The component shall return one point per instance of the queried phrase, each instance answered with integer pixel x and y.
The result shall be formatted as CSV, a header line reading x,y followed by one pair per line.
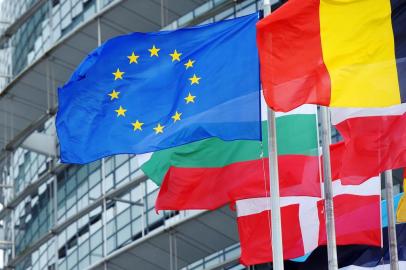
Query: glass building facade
x,y
58,216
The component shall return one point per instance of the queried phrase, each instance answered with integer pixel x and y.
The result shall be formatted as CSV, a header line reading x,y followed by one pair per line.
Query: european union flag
x,y
145,92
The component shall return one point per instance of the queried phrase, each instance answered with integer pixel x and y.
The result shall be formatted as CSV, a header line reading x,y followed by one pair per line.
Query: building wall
x,y
67,192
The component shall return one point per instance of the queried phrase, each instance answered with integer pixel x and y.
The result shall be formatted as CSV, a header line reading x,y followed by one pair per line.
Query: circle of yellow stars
x,y
154,53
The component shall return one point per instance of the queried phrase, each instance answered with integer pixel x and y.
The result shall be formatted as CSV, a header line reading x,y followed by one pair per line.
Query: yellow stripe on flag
x,y
359,52
401,212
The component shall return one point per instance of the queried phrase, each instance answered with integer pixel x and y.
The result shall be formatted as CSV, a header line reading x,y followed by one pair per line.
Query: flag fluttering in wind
x,y
145,92
357,257
401,211
303,221
210,173
374,139
334,53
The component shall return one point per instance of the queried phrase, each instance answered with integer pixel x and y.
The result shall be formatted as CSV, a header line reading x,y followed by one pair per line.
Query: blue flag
x,y
145,92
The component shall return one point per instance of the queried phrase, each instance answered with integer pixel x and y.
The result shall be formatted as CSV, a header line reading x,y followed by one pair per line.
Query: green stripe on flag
x,y
296,134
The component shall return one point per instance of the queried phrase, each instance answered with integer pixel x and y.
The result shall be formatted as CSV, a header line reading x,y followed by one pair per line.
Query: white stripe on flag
x,y
309,224
341,114
370,187
304,109
308,215
257,205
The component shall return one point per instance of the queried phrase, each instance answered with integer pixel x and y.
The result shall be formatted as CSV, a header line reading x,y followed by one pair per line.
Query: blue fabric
x,y
226,103
384,212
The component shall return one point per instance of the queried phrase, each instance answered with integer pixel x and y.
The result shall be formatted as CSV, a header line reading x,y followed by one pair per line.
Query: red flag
x,y
375,141
303,221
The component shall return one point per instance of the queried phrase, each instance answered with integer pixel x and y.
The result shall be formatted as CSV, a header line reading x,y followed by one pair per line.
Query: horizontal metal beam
x,y
62,226
31,189
127,201
167,227
14,26
41,143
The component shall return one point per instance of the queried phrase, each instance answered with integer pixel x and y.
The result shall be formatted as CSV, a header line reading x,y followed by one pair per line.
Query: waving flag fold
x,y
145,92
334,53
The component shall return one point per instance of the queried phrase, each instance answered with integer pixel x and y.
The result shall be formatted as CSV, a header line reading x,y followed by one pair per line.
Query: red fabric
x,y
292,67
255,236
336,155
372,145
188,188
357,220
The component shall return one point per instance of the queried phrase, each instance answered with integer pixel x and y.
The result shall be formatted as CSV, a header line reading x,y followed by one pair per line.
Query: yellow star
x,y
118,74
133,58
190,98
114,94
194,79
175,56
120,111
154,51
137,125
189,63
176,116
159,129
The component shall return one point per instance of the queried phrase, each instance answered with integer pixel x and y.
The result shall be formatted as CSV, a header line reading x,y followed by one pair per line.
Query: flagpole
x,y
393,247
276,224
328,189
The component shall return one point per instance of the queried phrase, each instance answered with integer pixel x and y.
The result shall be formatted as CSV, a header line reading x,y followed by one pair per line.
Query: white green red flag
x,y
210,173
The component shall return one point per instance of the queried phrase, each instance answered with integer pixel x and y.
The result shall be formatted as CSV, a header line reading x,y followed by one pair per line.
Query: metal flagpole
x,y
328,189
393,246
276,225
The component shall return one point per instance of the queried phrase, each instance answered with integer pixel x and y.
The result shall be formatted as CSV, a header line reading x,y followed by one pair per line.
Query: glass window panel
x,y
138,192
62,265
82,189
225,14
71,200
109,182
65,7
83,264
136,211
136,226
70,184
120,159
122,172
111,227
83,202
109,165
151,198
111,244
94,165
247,10
151,186
94,178
82,173
84,249
124,218
72,260
120,206
77,9
96,254
95,192
96,239
153,217
71,231
123,235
